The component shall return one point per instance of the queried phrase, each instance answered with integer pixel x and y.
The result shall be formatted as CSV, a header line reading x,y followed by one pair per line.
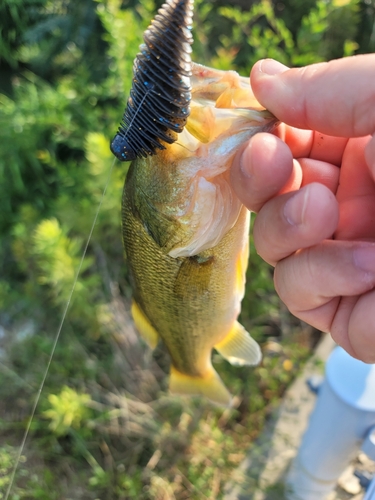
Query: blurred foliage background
x,y
105,426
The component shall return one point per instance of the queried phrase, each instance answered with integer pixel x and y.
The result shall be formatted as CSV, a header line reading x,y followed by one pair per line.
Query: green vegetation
x,y
105,427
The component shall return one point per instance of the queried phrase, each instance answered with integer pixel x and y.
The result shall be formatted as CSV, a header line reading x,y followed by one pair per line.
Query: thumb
x,y
336,98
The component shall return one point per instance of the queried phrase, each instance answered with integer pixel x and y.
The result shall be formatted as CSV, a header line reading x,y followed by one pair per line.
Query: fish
x,y
185,232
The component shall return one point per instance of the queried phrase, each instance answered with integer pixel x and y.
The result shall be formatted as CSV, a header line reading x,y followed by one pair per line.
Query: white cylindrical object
x,y
343,416
370,493
368,446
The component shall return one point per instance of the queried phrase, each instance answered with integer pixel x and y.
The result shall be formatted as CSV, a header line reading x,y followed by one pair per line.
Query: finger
x,y
262,169
310,144
370,156
311,281
356,194
327,148
360,335
355,177
299,141
341,321
295,220
336,98
319,171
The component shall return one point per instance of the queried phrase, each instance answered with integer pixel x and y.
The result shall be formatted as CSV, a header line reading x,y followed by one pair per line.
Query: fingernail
x,y
295,207
364,258
271,67
245,162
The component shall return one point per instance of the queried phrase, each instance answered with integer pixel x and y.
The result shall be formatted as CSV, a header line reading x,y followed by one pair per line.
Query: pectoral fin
x,y
201,122
145,329
239,348
210,386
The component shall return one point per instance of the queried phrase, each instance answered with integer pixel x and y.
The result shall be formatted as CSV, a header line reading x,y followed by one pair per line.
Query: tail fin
x,y
210,386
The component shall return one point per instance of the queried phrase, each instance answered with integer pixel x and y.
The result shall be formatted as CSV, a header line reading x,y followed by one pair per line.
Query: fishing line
x,y
185,147
57,336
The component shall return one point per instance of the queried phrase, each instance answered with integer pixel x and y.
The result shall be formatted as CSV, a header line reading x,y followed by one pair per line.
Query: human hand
x,y
312,184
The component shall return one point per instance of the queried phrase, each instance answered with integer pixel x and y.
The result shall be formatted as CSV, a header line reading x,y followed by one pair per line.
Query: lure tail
x,y
158,106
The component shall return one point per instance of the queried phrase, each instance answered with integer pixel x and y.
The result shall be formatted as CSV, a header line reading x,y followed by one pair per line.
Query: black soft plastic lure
x,y
158,106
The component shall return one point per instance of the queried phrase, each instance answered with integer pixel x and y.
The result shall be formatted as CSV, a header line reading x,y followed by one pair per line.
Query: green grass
x,y
117,444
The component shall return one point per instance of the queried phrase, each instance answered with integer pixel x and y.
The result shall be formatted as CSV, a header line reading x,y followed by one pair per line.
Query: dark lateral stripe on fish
x,y
158,106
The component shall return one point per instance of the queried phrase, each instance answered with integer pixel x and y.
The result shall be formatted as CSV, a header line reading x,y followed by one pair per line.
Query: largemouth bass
x,y
185,232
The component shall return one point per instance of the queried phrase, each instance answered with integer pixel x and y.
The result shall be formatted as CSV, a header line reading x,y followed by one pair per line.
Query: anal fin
x,y
239,348
145,329
210,386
